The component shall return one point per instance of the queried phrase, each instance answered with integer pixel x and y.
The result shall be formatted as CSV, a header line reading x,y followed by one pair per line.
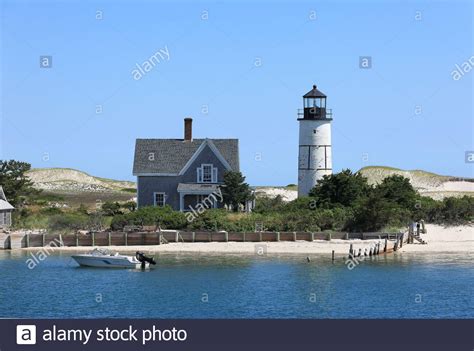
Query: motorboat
x,y
104,258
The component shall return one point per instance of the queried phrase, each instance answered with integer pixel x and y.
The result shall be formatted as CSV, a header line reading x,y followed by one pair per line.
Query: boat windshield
x,y
101,252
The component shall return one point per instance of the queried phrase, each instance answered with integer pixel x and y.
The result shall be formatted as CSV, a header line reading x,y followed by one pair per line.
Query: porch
x,y
193,194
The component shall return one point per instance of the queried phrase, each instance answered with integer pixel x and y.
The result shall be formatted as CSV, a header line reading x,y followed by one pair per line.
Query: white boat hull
x,y
108,261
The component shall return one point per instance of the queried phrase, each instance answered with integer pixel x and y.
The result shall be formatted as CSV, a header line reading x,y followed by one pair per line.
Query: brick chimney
x,y
188,129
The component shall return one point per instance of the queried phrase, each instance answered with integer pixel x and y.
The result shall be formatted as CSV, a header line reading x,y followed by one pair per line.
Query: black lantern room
x,y
314,103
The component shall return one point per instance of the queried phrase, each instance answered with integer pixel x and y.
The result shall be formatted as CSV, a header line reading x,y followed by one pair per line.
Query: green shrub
x,y
457,210
68,222
164,217
50,211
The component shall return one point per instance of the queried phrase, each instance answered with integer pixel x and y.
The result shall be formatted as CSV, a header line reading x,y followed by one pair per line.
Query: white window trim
x,y
154,198
200,173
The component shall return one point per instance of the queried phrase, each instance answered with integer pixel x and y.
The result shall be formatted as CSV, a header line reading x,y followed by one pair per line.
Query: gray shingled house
x,y
5,210
181,173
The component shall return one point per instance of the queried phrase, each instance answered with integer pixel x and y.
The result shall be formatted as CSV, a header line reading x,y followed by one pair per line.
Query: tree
x,y
235,191
130,205
343,188
15,182
398,189
111,208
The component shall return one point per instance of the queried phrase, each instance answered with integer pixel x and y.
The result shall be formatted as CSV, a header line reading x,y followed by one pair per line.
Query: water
x,y
402,285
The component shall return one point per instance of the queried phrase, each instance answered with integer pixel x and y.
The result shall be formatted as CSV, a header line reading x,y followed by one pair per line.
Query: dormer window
x,y
207,173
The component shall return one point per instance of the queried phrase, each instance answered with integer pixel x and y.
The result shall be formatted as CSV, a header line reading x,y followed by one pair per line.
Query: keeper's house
x,y
5,210
182,172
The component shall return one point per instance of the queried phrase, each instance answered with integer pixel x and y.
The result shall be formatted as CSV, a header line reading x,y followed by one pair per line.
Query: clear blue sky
x,y
48,115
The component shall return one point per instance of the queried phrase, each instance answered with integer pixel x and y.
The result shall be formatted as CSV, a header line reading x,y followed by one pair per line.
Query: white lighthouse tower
x,y
314,159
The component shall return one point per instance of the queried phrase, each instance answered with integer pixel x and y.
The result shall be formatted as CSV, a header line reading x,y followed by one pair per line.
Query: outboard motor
x,y
143,258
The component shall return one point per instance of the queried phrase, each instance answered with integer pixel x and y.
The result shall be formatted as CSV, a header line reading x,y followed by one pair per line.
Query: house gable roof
x,y
4,204
200,149
171,156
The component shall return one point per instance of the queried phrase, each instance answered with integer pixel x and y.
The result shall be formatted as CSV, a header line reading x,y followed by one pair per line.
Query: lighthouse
x,y
315,156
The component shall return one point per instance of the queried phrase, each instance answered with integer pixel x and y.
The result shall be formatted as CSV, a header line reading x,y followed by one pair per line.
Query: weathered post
x,y
401,241
126,238
259,236
243,237
226,237
332,256
385,246
312,236
194,236
277,236
93,238
159,238
347,236
294,236
77,239
329,237
350,250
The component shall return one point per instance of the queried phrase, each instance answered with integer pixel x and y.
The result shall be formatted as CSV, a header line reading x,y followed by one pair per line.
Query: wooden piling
x,y
332,256
350,250
385,246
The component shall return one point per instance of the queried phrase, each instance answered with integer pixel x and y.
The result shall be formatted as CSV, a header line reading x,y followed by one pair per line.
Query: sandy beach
x,y
445,239
439,239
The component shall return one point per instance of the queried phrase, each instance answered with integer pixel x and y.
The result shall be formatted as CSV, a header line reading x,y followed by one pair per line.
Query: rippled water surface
x,y
402,285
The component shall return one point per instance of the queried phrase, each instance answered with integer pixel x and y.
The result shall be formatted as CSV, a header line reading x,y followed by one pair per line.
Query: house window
x,y
207,173
159,199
